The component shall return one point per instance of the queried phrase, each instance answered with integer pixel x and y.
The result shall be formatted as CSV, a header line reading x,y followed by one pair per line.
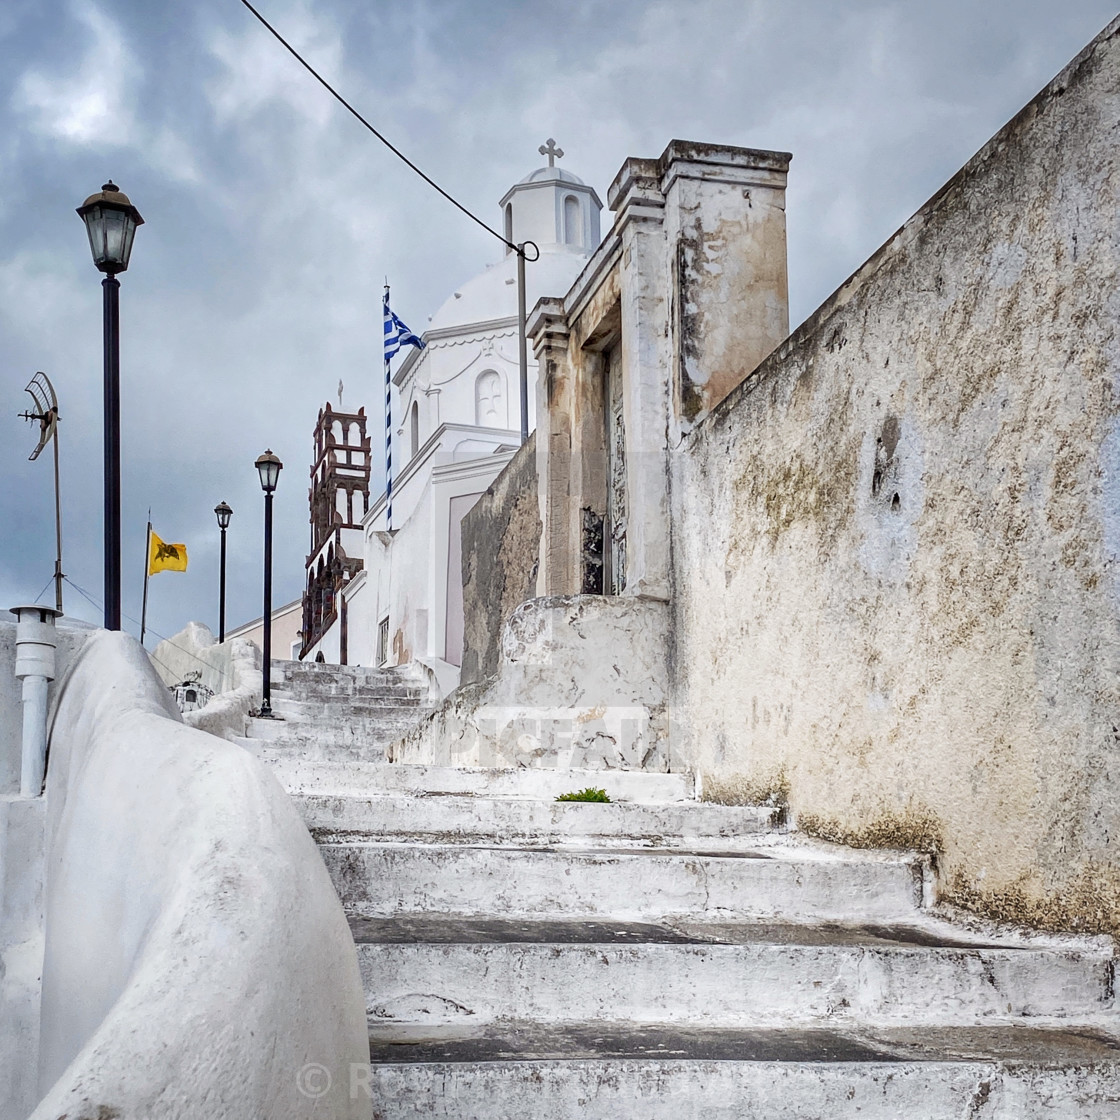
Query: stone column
x,y
639,205
725,230
548,332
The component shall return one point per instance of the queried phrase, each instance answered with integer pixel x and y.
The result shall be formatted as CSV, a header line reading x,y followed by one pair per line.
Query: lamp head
x,y
111,222
269,468
223,514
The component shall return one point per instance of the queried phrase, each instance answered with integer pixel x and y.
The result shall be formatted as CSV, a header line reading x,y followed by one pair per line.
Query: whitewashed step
x,y
317,671
793,883
343,778
340,712
533,823
419,971
594,1073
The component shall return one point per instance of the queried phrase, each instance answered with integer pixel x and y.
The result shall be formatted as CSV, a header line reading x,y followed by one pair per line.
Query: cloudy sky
x,y
273,218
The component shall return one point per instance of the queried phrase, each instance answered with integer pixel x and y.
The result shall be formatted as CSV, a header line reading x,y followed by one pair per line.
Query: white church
x,y
384,584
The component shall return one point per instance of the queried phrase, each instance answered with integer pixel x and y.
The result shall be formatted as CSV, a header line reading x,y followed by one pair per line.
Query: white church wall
x,y
456,404
197,958
361,625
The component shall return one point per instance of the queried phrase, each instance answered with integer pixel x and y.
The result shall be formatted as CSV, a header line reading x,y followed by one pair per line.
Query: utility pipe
x,y
36,639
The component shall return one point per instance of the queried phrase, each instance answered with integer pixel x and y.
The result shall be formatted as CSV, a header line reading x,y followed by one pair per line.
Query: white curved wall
x,y
197,960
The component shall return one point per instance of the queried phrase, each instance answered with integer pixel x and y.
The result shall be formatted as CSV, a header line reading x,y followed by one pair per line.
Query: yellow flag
x,y
165,557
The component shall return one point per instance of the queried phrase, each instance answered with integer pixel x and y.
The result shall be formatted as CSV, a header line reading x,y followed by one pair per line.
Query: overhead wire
x,y
519,249
44,591
98,605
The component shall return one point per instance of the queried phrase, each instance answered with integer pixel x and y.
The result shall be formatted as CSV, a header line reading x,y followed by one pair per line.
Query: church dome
x,y
492,294
552,206
552,174
559,213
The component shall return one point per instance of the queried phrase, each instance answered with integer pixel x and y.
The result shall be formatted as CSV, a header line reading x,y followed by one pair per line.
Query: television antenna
x,y
46,413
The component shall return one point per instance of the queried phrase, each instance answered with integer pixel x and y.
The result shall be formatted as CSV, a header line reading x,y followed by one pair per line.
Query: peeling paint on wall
x,y
897,544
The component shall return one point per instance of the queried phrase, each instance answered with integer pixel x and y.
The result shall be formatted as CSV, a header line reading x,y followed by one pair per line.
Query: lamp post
x,y
111,222
268,467
223,514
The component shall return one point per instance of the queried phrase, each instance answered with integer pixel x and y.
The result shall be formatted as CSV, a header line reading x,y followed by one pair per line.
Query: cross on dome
x,y
552,151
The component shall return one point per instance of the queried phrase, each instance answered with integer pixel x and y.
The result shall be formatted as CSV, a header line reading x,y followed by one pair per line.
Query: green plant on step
x,y
589,794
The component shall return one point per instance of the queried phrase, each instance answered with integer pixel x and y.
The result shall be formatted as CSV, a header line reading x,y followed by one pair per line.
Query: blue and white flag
x,y
396,333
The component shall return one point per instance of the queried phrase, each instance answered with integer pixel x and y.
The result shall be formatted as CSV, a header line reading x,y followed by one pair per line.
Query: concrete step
x,y
794,883
591,1072
325,737
427,971
344,709
340,777
342,717
533,823
340,680
369,752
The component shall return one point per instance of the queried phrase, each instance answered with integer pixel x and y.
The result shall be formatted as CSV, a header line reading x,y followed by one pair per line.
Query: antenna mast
x,y
46,413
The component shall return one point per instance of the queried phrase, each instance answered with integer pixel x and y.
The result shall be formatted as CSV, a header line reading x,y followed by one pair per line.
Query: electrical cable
x,y
124,614
519,249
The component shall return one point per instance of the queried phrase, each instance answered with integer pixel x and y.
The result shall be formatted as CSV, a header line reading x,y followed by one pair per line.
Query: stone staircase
x,y
343,714
660,957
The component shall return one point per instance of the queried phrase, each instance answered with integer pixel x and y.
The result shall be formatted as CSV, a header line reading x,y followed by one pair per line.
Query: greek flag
x,y
396,333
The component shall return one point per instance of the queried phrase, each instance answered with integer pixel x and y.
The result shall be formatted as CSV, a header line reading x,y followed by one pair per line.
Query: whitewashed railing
x,y
197,961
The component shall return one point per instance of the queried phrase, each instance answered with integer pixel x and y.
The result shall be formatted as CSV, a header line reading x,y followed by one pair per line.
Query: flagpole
x,y
388,431
147,565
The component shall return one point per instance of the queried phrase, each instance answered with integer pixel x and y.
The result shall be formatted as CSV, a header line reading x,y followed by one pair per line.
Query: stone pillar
x,y
725,230
639,205
548,330
691,287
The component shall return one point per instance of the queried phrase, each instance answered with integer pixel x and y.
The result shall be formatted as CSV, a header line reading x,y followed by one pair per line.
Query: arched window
x,y
414,427
509,225
489,406
573,221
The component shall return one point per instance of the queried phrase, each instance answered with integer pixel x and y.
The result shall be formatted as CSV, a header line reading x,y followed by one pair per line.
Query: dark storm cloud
x,y
272,218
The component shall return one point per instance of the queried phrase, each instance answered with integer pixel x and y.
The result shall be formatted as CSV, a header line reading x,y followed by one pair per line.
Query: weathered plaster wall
x,y
501,540
729,280
897,588
581,685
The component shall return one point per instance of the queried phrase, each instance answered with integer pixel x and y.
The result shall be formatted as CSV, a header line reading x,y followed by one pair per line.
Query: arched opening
x,y
489,405
509,225
573,221
414,427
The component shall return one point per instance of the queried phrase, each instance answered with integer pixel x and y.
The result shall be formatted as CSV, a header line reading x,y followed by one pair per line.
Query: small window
x,y
191,697
383,641
414,427
573,221
509,225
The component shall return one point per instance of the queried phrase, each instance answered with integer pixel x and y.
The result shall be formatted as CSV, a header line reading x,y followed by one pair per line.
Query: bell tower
x,y
339,499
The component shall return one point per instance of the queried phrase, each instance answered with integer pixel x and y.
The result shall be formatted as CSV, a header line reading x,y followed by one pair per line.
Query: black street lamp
x,y
111,222
268,467
223,514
